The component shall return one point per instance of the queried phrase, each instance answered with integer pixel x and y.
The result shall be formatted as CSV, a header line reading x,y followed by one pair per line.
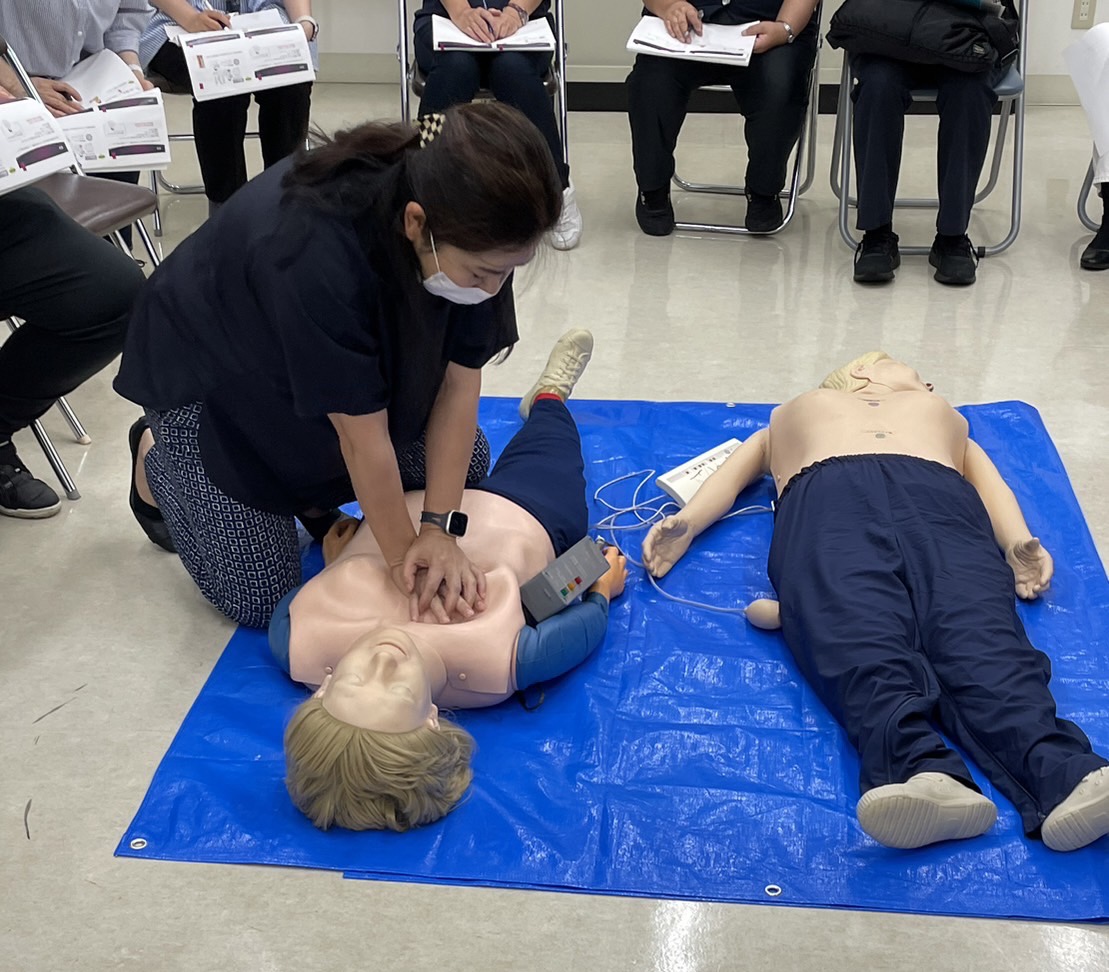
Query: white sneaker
x,y
1082,817
568,359
927,808
567,231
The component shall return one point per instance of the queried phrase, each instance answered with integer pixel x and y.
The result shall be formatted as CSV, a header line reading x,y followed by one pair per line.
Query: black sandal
x,y
148,517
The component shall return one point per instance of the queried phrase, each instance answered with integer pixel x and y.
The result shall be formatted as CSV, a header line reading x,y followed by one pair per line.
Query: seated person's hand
x,y
478,23
683,20
665,544
202,20
768,34
611,582
1032,567
448,575
508,23
60,98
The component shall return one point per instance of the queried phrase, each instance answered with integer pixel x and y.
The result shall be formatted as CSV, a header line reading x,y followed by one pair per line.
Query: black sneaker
x,y
655,218
877,257
23,496
1096,254
764,213
955,260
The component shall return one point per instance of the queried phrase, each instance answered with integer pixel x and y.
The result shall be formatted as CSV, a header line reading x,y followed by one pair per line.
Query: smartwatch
x,y
453,523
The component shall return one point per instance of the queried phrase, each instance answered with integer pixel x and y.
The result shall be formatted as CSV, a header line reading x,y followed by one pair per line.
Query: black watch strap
x,y
453,523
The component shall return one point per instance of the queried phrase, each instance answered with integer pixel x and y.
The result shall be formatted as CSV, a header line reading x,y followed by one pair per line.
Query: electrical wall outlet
x,y
1083,16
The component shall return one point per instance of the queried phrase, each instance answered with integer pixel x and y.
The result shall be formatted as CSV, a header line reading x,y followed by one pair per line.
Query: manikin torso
x,y
824,423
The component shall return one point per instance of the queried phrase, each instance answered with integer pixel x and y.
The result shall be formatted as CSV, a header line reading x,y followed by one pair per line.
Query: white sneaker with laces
x,y
567,231
565,365
926,808
1082,817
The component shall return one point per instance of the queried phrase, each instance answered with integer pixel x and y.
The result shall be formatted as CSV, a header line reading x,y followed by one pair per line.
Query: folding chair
x,y
1010,94
412,79
103,207
1093,225
804,156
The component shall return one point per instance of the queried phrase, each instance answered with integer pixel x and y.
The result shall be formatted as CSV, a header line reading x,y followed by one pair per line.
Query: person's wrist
x,y
788,29
520,12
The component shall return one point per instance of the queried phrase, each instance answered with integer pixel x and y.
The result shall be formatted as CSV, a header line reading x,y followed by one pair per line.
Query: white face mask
x,y
442,286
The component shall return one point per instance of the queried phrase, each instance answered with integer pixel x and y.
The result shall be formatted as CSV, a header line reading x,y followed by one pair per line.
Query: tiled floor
x,y
90,604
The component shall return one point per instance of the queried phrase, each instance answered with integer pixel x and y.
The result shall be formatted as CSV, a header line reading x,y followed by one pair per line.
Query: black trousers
x,y
74,291
514,77
772,93
882,95
220,126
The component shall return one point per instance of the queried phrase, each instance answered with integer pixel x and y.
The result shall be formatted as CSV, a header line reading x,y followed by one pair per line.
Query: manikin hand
x,y
340,534
611,583
665,544
1032,567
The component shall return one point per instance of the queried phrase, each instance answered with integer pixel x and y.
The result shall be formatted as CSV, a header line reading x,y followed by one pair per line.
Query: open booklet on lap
x,y
719,44
533,36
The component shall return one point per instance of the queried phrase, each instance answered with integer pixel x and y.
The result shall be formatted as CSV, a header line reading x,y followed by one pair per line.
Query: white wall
x,y
359,39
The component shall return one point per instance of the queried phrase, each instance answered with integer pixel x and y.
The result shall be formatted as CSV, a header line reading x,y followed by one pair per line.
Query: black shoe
x,y
1096,254
656,217
955,260
764,213
23,496
877,257
149,517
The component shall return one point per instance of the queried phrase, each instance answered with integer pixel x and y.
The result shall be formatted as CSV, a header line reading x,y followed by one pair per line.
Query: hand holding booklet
x,y
533,36
719,44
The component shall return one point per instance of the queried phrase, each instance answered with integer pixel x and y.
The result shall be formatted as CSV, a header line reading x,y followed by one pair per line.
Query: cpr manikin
x,y
895,551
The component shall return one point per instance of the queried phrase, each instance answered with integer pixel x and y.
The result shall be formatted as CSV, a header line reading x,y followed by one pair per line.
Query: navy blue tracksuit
x,y
899,609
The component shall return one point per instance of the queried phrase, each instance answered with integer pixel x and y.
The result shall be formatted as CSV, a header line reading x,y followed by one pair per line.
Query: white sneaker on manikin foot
x,y
1082,817
565,365
567,231
927,808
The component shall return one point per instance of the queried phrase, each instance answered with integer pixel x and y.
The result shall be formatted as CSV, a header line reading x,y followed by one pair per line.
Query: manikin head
x,y
878,369
369,750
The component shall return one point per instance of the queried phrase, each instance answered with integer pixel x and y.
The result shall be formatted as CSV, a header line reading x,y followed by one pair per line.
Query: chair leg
x,y
147,242
55,461
158,211
79,433
1084,216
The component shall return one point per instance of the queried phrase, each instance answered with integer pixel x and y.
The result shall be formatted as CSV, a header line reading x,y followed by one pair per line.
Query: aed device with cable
x,y
564,580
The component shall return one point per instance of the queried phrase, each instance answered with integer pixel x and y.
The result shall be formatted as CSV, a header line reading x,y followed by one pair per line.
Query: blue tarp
x,y
686,758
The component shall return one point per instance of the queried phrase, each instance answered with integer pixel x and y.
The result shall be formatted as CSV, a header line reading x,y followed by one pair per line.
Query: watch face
x,y
457,523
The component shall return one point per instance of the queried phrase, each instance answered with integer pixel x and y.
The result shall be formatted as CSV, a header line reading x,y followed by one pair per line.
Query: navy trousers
x,y
882,94
899,610
514,77
541,470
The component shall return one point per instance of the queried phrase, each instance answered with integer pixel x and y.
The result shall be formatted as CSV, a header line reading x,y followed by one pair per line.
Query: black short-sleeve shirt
x,y
435,7
277,313
736,11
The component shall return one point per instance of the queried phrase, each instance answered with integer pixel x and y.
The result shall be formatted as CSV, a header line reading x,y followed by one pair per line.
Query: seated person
x,y
882,95
370,750
772,93
514,77
74,293
1096,254
898,607
219,126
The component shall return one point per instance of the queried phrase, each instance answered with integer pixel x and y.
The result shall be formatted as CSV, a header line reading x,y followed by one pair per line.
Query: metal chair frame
x,y
410,76
840,175
804,157
80,435
1093,225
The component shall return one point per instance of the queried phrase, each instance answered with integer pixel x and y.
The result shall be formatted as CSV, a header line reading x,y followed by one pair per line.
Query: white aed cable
x,y
657,509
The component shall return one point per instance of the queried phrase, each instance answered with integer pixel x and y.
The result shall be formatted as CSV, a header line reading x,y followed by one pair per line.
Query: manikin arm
x,y
669,540
1031,563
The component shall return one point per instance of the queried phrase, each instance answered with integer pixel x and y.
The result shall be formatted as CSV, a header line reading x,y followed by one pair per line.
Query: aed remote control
x,y
564,580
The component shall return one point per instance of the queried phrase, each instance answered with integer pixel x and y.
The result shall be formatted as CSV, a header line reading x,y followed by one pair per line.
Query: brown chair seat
x,y
102,206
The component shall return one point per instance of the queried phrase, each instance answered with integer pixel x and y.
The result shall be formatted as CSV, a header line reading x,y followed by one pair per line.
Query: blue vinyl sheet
x,y
686,758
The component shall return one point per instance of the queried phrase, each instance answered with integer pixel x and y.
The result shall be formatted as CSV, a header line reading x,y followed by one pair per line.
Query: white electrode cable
x,y
657,508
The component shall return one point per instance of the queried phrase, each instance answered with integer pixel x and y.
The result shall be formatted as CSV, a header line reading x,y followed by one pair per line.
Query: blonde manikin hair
x,y
842,380
361,779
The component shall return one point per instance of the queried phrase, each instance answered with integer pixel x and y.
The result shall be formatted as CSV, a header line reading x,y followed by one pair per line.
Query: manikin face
x,y
894,375
486,269
381,684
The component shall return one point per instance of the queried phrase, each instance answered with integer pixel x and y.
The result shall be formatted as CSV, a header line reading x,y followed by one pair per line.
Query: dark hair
x,y
486,181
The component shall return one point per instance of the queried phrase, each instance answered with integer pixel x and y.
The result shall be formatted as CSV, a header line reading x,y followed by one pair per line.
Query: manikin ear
x,y
863,372
415,225
433,719
323,687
